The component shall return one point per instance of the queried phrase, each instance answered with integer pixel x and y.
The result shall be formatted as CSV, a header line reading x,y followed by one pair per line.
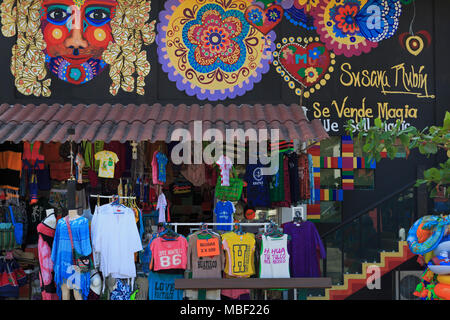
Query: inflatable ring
x,y
431,243
444,279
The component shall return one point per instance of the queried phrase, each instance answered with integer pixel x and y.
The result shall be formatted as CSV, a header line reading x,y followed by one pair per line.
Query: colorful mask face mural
x,y
77,32
76,40
209,48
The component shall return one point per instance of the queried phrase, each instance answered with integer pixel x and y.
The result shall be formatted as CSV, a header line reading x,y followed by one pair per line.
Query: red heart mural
x,y
264,19
307,65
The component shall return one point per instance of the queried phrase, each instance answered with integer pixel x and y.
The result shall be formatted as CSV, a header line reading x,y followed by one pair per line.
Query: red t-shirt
x,y
169,254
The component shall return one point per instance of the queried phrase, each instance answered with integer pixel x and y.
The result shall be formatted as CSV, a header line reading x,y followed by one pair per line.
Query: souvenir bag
x,y
232,192
82,262
18,228
7,238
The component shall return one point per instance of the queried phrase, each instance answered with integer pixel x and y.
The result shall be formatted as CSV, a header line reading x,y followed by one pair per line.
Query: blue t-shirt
x,y
258,194
161,286
224,214
162,161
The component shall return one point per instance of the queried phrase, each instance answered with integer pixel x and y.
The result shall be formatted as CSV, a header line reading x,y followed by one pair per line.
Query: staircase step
x,y
355,282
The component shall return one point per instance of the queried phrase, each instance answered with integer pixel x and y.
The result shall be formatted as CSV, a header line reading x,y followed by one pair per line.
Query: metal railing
x,y
365,235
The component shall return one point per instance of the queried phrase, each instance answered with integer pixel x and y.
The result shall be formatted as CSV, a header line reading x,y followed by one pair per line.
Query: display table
x,y
253,283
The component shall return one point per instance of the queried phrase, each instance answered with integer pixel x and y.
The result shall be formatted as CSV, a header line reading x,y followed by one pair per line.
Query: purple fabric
x,y
303,248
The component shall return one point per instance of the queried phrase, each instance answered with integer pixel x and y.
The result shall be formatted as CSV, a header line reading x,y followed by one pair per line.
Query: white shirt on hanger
x,y
225,165
161,206
115,239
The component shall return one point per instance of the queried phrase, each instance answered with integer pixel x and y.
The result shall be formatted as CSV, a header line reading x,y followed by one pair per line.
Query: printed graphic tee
x,y
169,254
258,194
239,253
202,265
225,165
107,160
274,262
224,214
161,286
161,160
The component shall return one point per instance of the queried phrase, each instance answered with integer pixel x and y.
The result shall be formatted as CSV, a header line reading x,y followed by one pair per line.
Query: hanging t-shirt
x,y
258,194
161,207
274,262
225,165
169,254
286,202
224,214
115,240
239,251
277,182
161,286
305,249
294,180
204,266
162,160
108,160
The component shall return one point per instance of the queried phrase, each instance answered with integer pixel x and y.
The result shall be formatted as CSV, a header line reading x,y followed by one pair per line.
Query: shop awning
x,y
148,122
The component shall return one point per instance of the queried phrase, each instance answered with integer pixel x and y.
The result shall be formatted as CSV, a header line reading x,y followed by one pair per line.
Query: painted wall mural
x,y
300,12
352,27
76,40
264,19
414,43
209,48
304,61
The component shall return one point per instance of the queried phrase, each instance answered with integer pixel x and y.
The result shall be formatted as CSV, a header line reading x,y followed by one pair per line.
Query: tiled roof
x,y
147,122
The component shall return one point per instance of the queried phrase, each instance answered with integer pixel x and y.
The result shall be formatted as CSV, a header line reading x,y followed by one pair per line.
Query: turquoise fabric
x,y
62,254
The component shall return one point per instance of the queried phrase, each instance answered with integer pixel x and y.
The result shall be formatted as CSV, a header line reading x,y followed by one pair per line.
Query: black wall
x,y
431,16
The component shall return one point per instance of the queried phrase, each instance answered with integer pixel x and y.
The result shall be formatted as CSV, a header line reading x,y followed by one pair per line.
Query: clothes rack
x,y
176,224
110,197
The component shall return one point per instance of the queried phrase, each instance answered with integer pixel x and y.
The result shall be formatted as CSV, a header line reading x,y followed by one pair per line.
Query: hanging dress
x,y
46,274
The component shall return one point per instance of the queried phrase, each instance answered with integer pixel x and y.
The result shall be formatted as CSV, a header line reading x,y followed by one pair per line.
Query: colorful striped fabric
x,y
282,146
10,170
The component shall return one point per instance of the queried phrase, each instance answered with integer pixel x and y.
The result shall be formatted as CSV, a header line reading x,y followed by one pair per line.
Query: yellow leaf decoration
x,y
130,30
21,18
8,21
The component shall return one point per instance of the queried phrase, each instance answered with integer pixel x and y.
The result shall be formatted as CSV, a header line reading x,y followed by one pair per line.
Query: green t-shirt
x,y
276,184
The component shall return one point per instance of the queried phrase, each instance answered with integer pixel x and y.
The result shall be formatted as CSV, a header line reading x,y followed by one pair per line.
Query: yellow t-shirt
x,y
240,254
107,160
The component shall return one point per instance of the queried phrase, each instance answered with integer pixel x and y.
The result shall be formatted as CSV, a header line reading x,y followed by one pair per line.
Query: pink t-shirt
x,y
169,254
225,165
